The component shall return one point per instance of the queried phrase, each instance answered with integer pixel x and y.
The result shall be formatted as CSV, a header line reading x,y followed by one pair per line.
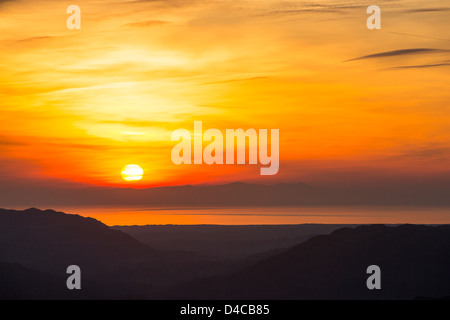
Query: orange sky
x,y
78,105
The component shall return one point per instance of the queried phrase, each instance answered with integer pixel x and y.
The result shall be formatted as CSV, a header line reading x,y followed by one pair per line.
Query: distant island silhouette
x,y
284,262
231,194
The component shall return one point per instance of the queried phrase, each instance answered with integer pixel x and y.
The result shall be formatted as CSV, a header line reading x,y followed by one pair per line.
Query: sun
x,y
132,172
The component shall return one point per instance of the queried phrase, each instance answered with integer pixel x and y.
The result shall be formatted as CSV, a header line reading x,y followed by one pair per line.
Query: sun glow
x,y
132,172
130,77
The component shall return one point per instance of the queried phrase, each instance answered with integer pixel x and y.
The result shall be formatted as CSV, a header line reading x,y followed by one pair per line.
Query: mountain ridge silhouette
x,y
227,195
414,262
37,246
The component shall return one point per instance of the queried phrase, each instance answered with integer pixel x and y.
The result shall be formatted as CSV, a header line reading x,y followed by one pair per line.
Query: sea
x,y
148,215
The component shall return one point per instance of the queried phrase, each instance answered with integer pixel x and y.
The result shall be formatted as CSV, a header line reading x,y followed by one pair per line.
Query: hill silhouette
x,y
227,242
40,245
50,241
17,280
36,247
414,262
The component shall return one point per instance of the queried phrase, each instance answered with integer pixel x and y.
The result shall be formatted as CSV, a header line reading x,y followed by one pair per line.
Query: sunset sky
x,y
351,104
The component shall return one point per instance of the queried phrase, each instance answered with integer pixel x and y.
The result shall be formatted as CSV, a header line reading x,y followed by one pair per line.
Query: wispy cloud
x,y
8,142
418,36
235,80
312,8
431,151
396,53
427,10
422,66
41,38
34,38
144,24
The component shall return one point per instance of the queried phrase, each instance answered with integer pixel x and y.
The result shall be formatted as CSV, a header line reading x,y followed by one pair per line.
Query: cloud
x,y
422,66
418,36
421,153
427,10
41,38
396,53
4,142
312,8
144,24
235,80
431,152
5,3
34,38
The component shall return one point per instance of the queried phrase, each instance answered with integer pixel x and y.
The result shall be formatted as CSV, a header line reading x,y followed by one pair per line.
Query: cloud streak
x,y
144,24
235,80
417,36
427,10
422,66
312,8
396,53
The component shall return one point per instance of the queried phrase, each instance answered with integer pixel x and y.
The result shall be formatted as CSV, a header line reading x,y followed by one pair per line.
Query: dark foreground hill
x,y
414,262
40,245
36,247
228,242
50,241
